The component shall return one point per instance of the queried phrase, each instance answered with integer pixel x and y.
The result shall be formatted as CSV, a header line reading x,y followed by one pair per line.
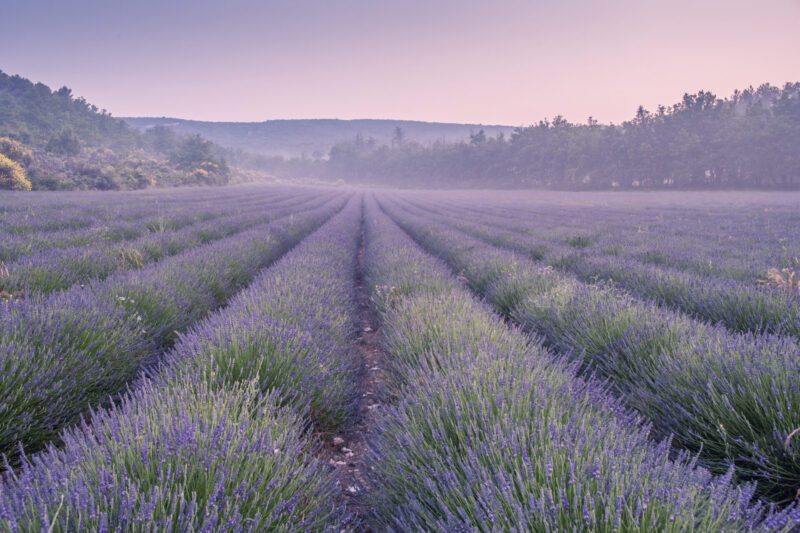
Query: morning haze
x,y
367,266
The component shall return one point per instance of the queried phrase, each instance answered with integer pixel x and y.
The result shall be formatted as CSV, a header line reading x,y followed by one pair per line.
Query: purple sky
x,y
488,61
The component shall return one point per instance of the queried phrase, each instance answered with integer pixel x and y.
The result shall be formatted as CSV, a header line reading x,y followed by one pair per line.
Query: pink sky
x,y
498,62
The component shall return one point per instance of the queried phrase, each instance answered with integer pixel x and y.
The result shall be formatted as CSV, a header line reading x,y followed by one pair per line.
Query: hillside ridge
x,y
295,137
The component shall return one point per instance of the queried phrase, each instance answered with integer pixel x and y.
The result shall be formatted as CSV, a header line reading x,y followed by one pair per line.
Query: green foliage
x,y
580,241
77,147
162,139
15,151
65,142
195,154
31,113
747,140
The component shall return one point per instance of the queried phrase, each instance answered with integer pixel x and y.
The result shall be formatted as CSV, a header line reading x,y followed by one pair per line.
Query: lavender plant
x,y
730,398
742,306
292,328
183,457
214,438
120,223
52,270
492,433
78,347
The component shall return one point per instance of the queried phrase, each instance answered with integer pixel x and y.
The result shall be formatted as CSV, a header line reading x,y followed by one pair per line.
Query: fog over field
x,y
314,138
354,266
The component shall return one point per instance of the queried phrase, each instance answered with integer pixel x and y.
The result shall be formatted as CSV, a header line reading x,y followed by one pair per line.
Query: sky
x,y
511,62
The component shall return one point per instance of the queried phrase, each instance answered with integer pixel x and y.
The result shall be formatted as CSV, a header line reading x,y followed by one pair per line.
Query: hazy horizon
x,y
468,61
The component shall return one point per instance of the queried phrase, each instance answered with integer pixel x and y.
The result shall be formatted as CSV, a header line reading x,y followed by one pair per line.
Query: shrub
x,y
15,151
785,279
12,175
65,142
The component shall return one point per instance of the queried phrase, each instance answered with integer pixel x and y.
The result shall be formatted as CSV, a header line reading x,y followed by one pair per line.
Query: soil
x,y
348,451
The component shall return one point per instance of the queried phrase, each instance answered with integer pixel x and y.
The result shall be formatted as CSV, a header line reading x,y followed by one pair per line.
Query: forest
x,y
748,140
52,140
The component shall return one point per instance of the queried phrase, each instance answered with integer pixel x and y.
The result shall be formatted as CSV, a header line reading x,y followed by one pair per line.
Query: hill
x,y
54,140
292,138
31,113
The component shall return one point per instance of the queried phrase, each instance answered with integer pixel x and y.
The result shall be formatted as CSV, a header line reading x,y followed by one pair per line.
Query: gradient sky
x,y
492,62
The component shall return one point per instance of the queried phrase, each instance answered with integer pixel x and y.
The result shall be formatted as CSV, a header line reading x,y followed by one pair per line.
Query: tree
x,y
65,143
477,138
398,137
191,152
162,139
64,92
195,154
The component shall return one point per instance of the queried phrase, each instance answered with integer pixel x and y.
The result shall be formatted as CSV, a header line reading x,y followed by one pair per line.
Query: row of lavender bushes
x,y
727,241
123,224
490,432
71,349
53,270
56,217
24,214
732,399
742,306
216,438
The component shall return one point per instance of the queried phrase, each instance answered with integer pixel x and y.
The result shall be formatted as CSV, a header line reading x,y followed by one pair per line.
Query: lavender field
x,y
277,358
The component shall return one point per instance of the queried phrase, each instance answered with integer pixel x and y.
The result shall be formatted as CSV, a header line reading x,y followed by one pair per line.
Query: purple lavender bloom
x,y
214,438
492,432
71,349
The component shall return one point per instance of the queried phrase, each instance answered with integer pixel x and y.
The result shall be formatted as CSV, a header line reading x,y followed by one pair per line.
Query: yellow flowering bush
x,y
15,151
12,175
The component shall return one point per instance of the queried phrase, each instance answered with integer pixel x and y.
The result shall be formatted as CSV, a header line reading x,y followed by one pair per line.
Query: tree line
x,y
751,139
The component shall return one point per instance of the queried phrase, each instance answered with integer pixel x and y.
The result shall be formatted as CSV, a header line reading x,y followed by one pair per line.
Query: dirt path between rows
x,y
347,451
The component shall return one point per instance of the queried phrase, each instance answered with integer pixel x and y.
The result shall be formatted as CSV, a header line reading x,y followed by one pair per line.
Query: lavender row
x,y
715,225
644,237
292,328
66,204
725,243
125,224
48,217
62,352
740,306
53,270
492,433
214,439
12,201
733,399
130,223
184,457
